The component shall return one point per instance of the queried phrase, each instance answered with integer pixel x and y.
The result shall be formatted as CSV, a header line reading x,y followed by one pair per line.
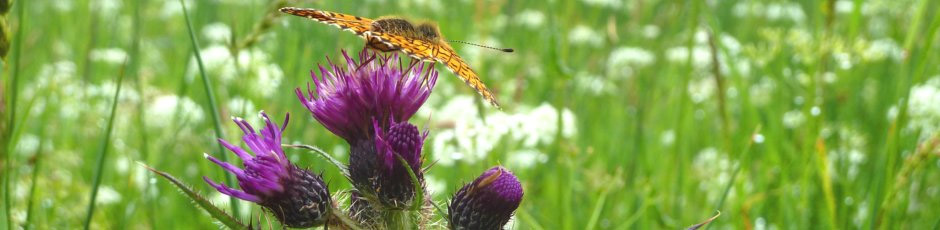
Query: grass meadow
x,y
632,114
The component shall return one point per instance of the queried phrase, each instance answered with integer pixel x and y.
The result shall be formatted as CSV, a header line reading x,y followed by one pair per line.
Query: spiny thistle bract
x,y
296,197
486,203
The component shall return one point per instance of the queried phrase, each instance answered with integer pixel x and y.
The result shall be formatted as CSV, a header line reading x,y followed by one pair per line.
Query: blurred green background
x,y
645,114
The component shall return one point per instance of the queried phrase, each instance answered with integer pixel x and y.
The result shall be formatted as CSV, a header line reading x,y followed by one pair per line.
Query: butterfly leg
x,y
410,65
427,74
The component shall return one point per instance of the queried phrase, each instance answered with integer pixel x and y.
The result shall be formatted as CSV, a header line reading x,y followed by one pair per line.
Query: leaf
x,y
339,165
709,220
213,211
419,190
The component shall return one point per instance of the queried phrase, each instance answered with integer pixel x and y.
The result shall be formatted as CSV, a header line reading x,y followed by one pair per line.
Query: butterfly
x,y
389,34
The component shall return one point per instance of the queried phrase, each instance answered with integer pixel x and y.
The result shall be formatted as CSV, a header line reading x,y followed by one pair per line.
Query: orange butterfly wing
x,y
446,55
416,48
442,53
355,24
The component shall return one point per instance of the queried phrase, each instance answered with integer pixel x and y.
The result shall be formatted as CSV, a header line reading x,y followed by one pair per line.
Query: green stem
x,y
103,153
37,166
683,102
343,219
14,82
398,219
213,109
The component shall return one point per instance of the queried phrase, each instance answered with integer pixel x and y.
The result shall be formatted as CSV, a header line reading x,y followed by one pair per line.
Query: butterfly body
x,y
389,34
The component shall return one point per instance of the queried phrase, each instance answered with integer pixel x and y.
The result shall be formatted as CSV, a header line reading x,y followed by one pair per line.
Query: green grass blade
x,y
103,152
37,160
140,119
203,203
709,220
213,109
598,207
14,88
37,163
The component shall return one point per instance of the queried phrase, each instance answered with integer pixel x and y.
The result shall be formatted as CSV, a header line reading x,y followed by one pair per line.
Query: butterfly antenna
x,y
507,50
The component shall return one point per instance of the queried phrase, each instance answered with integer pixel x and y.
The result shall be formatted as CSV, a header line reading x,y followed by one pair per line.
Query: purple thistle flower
x,y
374,87
297,197
375,169
488,202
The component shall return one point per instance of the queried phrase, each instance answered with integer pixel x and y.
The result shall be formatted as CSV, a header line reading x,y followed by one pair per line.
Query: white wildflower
x,y
163,110
173,8
240,107
615,4
650,31
881,49
842,59
701,55
526,158
594,84
114,56
106,7
793,119
253,65
530,18
217,32
107,195
923,108
622,60
62,6
773,11
758,138
713,169
472,138
267,80
702,89
668,137
28,144
762,92
584,35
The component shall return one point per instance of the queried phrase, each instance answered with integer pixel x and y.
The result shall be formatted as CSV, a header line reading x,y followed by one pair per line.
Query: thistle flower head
x,y
488,202
297,197
346,99
375,168
402,139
